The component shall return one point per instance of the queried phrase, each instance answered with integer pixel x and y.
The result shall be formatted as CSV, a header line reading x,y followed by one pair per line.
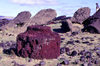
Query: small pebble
x,y
30,60
82,58
67,49
62,50
65,62
85,42
62,38
77,41
70,42
42,63
74,53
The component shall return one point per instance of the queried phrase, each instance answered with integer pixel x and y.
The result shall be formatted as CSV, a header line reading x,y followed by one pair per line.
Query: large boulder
x,y
81,15
22,17
43,16
66,25
70,28
92,24
38,42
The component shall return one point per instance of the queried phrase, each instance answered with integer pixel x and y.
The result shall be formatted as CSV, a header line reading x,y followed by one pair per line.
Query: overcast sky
x,y
62,7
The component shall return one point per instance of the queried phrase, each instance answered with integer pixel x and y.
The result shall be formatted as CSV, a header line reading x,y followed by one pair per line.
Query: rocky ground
x,y
82,50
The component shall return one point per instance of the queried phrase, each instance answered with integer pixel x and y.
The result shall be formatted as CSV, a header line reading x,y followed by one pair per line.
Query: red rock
x,y
38,42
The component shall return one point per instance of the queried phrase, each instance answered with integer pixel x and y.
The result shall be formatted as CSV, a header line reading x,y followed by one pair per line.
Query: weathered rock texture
x,y
43,16
81,15
92,24
38,42
22,17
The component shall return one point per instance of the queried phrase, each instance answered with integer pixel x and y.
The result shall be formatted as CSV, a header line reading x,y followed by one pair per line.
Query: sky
x,y
62,7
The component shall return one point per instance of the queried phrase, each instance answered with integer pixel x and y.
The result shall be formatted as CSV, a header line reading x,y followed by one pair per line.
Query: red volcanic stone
x,y
38,42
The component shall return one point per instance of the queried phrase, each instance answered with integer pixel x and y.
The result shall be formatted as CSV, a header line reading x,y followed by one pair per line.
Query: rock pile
x,y
38,42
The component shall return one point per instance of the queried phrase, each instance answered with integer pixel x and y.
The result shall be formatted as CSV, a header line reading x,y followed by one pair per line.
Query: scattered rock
x,y
86,42
63,50
70,42
74,53
98,53
65,62
8,44
82,58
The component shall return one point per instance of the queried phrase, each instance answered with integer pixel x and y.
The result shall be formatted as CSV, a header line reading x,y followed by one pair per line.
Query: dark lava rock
x,y
98,53
82,65
42,63
77,41
63,50
16,64
65,62
43,16
85,42
38,42
7,51
95,61
60,18
67,49
74,33
81,15
8,44
88,54
29,60
22,17
82,58
65,26
75,62
62,38
74,53
70,42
